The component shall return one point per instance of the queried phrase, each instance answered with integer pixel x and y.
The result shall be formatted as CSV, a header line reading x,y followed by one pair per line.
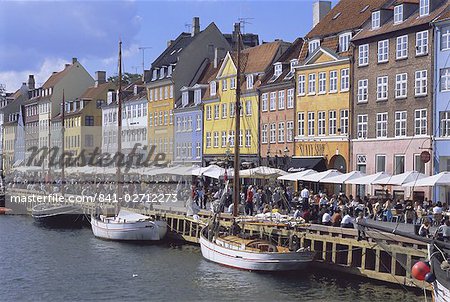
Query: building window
x,y
445,79
281,132
165,117
290,98
419,165
312,83
321,116
332,122
216,139
232,83
399,164
421,83
383,51
363,90
166,92
278,69
345,79
231,138
333,81
248,138
400,123
248,107
250,81
264,134
401,85
402,47
208,139
382,120
273,104
232,109
301,84
208,112
281,100
382,88
224,84
301,124
420,122
264,102
213,88
311,123
156,118
224,139
224,110
171,91
362,126
273,133
89,140
199,122
344,42
197,96
421,43
313,45
344,121
398,14
89,120
290,131
322,82
376,20
185,98
380,163
216,111
445,38
424,7
444,118
363,55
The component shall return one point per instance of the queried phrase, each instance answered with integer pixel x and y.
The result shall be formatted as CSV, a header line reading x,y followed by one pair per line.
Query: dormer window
x,y
197,96
313,45
155,74
398,14
293,63
162,72
169,70
50,90
250,81
344,41
424,9
185,98
376,20
278,69
213,88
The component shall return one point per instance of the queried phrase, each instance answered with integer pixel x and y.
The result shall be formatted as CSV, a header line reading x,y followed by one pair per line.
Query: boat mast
x,y
63,110
119,125
238,126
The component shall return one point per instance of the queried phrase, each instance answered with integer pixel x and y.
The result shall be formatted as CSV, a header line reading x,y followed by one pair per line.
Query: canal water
x,y
39,264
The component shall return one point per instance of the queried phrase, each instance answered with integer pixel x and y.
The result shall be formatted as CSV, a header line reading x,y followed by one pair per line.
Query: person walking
x,y
249,202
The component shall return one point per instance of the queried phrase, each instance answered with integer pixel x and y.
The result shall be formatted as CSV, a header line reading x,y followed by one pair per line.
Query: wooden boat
x,y
252,254
58,215
3,210
128,226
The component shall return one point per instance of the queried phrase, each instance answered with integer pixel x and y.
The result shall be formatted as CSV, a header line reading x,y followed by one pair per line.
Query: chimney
x,y
31,82
67,65
320,9
195,26
147,76
169,43
100,77
219,53
74,60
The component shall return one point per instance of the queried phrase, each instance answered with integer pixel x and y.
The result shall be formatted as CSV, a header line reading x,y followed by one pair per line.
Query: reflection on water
x,y
45,264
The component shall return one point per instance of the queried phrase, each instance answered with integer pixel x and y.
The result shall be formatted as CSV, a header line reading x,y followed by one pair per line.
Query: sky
x,y
39,37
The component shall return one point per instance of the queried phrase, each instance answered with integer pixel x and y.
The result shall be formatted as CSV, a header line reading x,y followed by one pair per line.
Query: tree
x,y
127,78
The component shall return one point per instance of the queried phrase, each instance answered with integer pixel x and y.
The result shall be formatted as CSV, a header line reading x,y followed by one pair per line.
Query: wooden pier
x,y
385,257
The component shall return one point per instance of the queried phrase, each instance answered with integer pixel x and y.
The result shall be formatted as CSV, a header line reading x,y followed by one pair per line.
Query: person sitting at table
x,y
409,212
347,221
424,230
336,218
438,208
443,232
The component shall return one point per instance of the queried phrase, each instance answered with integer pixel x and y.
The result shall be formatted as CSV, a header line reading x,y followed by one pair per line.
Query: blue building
x,y
442,102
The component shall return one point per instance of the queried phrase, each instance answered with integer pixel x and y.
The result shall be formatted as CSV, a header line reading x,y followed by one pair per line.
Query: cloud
x,y
33,34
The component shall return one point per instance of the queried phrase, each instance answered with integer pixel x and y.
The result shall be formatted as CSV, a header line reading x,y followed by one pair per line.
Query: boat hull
x,y
129,231
59,216
255,261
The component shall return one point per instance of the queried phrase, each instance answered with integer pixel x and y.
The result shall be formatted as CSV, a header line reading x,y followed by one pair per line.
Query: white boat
x,y
128,226
253,255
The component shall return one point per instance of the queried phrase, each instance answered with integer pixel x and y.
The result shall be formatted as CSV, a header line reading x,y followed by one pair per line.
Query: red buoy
x,y
420,270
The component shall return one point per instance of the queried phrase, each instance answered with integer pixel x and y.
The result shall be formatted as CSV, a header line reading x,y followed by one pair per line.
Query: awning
x,y
297,164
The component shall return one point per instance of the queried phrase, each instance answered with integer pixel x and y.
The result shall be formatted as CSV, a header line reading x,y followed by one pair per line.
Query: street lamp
x,y
268,158
286,152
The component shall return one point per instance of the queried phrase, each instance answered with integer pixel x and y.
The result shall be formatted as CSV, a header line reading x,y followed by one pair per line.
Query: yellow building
x,y
219,134
323,100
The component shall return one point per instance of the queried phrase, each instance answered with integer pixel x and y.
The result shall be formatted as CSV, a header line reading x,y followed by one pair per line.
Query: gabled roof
x,y
56,77
411,21
444,16
322,50
171,53
346,15
93,92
